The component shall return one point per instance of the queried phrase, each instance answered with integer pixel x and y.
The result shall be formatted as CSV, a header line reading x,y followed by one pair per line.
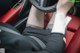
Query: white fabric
x,y
67,20
60,23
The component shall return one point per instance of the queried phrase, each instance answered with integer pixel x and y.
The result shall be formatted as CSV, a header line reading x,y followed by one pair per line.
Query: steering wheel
x,y
45,5
49,6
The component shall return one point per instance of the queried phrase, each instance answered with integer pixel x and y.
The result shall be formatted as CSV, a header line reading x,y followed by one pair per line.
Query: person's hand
x,y
64,6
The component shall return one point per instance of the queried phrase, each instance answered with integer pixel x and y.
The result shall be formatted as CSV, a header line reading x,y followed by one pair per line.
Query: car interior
x,y
15,13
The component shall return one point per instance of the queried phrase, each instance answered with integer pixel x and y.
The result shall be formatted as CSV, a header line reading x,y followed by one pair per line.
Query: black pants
x,y
21,44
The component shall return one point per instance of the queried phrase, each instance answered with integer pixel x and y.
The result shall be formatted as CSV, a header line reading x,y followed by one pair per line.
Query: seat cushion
x,y
74,44
69,36
74,23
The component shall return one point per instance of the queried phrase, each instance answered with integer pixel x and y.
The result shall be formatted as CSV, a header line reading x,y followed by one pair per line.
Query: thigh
x,y
42,34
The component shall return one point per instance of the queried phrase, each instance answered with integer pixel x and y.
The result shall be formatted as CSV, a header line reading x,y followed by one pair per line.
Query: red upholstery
x,y
74,45
47,18
69,36
11,15
74,24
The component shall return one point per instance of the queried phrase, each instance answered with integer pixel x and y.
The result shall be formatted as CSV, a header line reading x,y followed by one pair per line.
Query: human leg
x,y
35,25
36,18
62,8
